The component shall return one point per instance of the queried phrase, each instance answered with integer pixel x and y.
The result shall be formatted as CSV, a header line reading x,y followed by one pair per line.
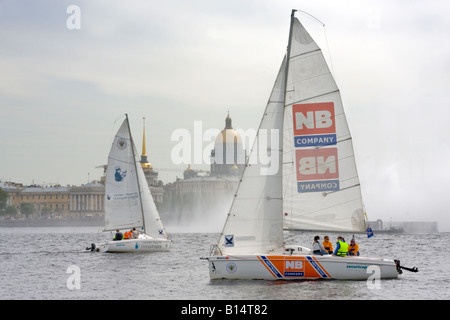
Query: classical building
x,y
87,199
200,197
47,201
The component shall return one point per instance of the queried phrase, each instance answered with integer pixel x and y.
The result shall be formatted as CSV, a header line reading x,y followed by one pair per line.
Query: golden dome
x,y
146,165
228,134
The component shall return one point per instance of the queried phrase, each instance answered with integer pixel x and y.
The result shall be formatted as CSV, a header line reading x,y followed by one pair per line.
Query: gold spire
x,y
144,152
144,162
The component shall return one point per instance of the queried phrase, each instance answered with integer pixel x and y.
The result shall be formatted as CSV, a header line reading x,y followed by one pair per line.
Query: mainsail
x,y
321,189
314,185
128,201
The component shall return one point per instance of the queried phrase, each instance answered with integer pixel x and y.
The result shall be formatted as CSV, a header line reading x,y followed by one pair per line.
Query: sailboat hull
x,y
137,245
290,267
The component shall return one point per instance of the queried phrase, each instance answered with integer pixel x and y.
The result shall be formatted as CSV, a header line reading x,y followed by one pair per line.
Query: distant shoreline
x,y
66,222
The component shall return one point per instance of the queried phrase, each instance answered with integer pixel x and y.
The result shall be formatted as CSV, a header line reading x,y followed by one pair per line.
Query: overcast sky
x,y
66,83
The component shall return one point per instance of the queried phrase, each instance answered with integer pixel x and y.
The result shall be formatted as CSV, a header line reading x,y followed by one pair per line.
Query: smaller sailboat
x,y
128,201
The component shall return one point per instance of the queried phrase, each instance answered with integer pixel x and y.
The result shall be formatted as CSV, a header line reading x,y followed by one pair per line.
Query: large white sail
x,y
255,222
122,200
321,188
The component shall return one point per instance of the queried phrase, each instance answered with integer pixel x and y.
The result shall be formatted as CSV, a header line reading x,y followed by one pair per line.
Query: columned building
x,y
87,199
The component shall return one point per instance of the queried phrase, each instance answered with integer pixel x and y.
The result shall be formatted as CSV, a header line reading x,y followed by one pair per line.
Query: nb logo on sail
x,y
314,124
315,141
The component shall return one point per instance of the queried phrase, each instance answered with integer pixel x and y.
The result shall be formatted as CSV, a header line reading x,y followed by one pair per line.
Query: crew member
x,y
318,247
353,248
341,247
327,244
118,236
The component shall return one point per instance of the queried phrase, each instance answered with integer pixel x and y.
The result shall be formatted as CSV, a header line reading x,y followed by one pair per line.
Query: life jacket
x,y
343,248
328,245
353,250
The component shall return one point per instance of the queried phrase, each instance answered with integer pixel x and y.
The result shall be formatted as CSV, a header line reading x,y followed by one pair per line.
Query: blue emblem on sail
x,y
161,232
229,240
119,175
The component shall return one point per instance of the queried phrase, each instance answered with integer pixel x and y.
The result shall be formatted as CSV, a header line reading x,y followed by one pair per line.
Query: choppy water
x,y
37,263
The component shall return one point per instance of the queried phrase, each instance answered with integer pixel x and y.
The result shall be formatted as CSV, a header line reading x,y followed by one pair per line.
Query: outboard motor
x,y
91,248
399,267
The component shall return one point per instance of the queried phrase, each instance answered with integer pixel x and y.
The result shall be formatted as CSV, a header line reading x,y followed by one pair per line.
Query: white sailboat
x,y
128,200
312,184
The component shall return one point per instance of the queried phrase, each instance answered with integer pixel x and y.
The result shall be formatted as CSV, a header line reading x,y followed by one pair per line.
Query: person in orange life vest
x,y
327,245
126,235
353,248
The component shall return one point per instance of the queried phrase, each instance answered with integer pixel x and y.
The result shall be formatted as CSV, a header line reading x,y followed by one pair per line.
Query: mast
x,y
288,54
136,170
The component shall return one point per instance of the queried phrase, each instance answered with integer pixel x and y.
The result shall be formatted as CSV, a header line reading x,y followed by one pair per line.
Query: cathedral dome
x,y
228,134
228,155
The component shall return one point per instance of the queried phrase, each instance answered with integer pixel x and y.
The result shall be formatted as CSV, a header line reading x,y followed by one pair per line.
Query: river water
x,y
51,263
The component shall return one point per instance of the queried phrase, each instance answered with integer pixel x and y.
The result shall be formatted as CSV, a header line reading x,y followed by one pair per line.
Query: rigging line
x,y
326,38
328,49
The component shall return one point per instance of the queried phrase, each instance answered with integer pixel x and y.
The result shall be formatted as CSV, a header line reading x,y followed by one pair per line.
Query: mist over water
x,y
198,214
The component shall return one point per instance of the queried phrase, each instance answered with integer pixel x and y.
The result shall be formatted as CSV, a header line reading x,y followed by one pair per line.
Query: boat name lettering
x,y
358,266
123,196
143,245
